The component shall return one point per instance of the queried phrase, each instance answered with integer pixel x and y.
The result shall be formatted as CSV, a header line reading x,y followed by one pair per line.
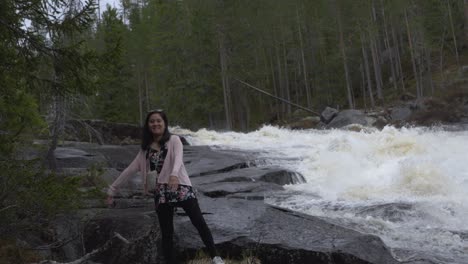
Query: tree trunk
x,y
328,91
466,21
363,84
276,97
280,77
441,59
389,47
304,68
58,125
377,70
345,63
275,88
427,54
367,71
140,98
99,11
453,32
420,71
223,57
147,96
287,91
413,59
399,69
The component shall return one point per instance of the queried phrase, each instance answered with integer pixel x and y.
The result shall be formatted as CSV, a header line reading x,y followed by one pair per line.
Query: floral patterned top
x,y
163,193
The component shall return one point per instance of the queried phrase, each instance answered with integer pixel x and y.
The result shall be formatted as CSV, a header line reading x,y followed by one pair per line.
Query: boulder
x,y
328,114
401,112
305,123
203,161
252,174
427,104
348,117
299,114
76,158
277,236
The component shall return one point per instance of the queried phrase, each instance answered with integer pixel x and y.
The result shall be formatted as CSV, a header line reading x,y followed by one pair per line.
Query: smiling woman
x,y
161,155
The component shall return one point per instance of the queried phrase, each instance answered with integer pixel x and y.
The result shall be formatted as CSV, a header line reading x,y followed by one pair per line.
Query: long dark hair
x,y
147,136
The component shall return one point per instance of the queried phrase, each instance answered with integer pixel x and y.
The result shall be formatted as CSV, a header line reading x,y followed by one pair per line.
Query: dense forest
x,y
199,59
202,61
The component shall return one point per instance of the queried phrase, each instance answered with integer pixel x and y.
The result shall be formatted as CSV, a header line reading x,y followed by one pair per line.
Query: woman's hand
x,y
110,201
145,191
173,183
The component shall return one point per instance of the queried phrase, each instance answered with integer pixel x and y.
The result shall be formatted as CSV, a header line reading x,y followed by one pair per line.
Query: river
x,y
409,186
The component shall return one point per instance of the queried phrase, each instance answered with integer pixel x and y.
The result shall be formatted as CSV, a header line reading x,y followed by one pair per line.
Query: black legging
x,y
165,213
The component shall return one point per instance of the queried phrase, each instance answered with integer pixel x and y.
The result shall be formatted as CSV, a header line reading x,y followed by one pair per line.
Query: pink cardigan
x,y
173,166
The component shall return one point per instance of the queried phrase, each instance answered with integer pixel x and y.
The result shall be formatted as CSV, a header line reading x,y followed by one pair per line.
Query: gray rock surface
x,y
278,236
305,123
203,161
401,112
328,114
231,197
348,117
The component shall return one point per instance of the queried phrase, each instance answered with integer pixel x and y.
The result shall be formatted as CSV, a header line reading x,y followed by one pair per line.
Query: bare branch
x,y
8,207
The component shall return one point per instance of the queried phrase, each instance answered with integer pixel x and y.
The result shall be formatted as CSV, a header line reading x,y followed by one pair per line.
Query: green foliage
x,y
111,102
10,252
92,183
43,56
32,196
41,60
166,54
18,114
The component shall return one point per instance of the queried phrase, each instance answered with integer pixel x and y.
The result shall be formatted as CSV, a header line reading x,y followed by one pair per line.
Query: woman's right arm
x,y
123,177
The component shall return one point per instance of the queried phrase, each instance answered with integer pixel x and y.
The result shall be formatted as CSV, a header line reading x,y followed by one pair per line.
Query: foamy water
x,y
408,186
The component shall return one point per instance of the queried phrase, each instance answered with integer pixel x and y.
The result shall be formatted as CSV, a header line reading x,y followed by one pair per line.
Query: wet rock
x,y
203,161
76,158
253,174
328,114
276,235
305,123
130,223
401,112
394,212
348,117
236,213
381,122
220,189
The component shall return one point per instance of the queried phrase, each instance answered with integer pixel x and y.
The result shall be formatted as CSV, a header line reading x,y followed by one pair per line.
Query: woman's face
x,y
156,124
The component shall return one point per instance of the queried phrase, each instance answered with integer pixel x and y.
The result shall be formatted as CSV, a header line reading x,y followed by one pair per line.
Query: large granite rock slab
x,y
203,161
231,196
84,155
278,235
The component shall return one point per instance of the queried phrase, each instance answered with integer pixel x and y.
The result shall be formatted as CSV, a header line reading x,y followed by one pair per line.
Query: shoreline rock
x,y
426,112
231,194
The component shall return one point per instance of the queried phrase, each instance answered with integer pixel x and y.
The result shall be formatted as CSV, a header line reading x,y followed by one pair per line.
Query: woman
x,y
162,154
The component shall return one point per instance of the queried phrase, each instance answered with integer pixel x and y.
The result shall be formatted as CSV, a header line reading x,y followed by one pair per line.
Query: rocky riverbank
x,y
451,109
231,191
408,111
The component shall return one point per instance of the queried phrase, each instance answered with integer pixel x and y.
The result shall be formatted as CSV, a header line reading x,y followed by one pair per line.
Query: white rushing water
x,y
409,186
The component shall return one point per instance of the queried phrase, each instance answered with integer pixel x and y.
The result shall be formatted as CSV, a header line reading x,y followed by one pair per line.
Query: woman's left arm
x,y
177,151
